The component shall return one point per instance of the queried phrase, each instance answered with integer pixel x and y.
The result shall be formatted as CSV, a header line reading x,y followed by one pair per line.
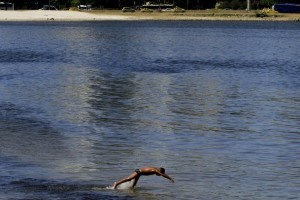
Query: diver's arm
x,y
168,177
164,175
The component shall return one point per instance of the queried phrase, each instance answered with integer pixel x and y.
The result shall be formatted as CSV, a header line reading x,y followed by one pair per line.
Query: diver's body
x,y
146,171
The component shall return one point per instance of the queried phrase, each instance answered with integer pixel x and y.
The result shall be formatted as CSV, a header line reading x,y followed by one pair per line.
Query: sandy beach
x,y
44,15
101,15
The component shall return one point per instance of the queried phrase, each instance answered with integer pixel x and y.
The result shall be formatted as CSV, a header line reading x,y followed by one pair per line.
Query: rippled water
x,y
84,104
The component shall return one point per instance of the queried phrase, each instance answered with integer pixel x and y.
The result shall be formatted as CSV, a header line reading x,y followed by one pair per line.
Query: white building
x,y
6,6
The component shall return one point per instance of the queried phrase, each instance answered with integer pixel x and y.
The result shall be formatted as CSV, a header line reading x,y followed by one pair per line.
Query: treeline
x,y
110,4
117,4
254,4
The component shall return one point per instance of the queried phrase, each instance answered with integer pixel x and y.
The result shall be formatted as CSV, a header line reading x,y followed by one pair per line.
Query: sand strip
x,y
46,15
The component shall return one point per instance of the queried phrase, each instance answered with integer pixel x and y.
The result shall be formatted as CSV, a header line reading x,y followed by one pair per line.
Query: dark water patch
x,y
162,24
27,137
44,189
27,56
118,92
263,69
35,185
8,76
187,65
13,116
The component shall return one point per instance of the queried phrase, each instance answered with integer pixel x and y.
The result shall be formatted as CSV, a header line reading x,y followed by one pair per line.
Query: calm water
x,y
84,104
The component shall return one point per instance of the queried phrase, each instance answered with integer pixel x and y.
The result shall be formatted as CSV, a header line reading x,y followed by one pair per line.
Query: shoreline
x,y
117,15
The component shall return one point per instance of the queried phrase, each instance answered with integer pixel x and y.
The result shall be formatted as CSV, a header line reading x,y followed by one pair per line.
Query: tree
x,y
224,5
235,4
267,3
75,3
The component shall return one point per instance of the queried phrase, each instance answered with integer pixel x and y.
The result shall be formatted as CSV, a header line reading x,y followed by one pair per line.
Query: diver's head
x,y
162,170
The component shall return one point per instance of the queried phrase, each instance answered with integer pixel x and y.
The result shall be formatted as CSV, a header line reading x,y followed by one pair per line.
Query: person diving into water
x,y
146,171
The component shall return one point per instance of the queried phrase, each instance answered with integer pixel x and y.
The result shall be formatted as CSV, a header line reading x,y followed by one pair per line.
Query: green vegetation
x,y
242,4
266,13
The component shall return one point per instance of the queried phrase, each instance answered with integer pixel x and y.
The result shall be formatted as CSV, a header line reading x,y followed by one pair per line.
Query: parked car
x,y
46,7
128,9
146,10
84,7
167,10
178,9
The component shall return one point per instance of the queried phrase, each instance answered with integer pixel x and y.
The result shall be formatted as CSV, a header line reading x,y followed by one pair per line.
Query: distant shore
x,y
104,15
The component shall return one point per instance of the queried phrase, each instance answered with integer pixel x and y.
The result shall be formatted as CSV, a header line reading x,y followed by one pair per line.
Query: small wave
x,y
178,66
109,187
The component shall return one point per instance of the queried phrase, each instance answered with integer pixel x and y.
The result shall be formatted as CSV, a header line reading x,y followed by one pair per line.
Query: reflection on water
x,y
84,104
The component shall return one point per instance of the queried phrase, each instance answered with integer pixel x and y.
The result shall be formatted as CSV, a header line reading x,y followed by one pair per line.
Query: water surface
x,y
83,104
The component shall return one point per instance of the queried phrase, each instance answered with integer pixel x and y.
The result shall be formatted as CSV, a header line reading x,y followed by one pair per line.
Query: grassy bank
x,y
206,15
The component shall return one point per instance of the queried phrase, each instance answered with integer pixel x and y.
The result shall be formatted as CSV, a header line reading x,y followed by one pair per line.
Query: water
x,y
83,104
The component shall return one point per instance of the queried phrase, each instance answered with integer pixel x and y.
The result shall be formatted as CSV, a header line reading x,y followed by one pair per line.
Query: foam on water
x,y
123,186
